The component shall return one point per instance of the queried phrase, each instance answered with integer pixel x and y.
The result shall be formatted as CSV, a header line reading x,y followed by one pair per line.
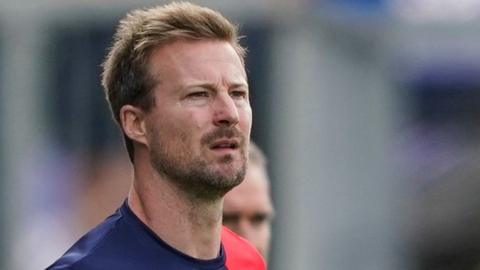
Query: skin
x,y
248,210
202,106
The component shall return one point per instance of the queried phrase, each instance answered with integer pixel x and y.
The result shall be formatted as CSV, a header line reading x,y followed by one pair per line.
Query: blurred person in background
x,y
176,84
248,208
445,219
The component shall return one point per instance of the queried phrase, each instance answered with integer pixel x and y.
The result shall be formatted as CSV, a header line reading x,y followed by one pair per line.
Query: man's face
x,y
248,210
199,128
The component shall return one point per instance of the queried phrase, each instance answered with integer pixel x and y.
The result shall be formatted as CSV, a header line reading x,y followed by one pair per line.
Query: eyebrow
x,y
211,86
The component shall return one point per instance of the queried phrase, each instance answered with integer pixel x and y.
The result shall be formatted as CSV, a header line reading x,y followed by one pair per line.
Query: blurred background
x,y
368,110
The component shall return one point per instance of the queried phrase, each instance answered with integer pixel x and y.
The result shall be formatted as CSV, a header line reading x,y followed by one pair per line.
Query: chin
x,y
231,176
229,171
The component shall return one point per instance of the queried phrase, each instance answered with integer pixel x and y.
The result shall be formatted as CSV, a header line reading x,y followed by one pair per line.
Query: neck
x,y
188,224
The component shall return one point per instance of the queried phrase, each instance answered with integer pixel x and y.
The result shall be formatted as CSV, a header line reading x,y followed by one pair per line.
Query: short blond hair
x,y
125,77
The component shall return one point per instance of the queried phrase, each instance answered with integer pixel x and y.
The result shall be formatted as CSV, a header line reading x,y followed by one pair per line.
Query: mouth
x,y
225,145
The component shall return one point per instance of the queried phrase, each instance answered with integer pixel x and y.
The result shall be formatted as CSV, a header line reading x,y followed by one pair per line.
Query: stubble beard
x,y
196,175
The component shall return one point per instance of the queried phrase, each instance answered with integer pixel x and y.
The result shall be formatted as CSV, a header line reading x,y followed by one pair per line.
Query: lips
x,y
225,144
223,140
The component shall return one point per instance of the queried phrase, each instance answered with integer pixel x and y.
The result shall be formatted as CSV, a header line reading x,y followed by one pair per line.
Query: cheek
x,y
197,119
246,118
174,129
263,233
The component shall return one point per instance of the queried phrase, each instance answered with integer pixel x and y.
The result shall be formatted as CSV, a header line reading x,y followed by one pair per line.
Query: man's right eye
x,y
230,218
199,94
258,219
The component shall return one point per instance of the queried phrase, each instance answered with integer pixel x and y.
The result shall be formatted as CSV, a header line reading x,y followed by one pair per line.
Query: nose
x,y
225,111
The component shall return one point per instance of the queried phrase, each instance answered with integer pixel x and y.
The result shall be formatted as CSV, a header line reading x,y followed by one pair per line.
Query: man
x,y
176,84
248,209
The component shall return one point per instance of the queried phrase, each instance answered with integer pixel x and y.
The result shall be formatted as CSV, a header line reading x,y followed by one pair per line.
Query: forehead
x,y
197,60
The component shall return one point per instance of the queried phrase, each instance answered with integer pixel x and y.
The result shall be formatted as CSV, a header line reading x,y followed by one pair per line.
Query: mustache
x,y
223,132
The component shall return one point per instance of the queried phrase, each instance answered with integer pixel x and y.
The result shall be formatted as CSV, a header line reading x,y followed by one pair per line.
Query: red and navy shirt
x,y
123,242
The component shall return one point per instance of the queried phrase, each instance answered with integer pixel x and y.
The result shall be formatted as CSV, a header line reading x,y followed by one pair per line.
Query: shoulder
x,y
89,245
240,254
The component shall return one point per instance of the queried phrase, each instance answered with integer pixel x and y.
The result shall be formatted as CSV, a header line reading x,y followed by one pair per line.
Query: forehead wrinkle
x,y
203,71
208,74
215,86
200,73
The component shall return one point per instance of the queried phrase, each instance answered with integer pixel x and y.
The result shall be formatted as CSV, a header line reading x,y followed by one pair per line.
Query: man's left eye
x,y
239,94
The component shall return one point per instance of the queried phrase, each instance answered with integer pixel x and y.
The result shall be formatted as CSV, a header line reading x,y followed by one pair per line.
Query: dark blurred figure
x,y
446,220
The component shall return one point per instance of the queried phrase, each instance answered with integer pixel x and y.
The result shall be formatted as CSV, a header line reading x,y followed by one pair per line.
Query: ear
x,y
133,123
